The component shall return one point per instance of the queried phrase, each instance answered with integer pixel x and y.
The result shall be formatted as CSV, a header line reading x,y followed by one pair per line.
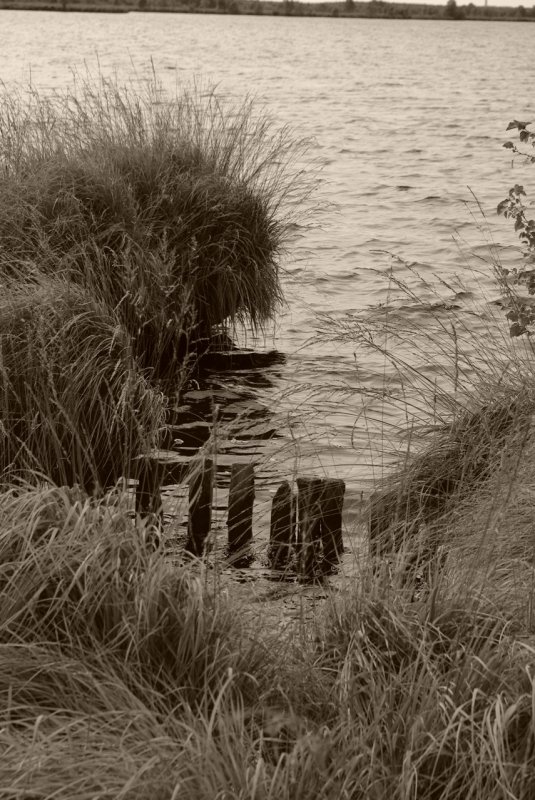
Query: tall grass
x,y
74,406
123,675
175,210
453,512
126,673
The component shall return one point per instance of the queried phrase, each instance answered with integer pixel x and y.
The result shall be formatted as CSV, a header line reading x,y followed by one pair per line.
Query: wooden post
x,y
282,527
332,501
240,514
309,529
200,507
148,491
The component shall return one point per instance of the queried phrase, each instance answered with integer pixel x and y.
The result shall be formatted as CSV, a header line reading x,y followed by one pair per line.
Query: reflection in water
x,y
221,401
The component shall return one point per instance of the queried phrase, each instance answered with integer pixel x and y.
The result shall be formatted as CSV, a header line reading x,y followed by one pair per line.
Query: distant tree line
x,y
294,8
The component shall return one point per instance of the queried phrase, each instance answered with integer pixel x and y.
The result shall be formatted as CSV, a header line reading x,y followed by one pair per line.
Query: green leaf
x,y
516,329
517,124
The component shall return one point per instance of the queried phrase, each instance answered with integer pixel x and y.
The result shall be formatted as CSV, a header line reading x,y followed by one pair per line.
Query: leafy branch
x,y
526,137
521,311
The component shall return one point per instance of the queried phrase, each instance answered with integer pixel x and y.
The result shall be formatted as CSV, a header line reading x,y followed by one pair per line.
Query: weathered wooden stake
x,y
309,529
332,501
148,491
282,527
200,507
240,513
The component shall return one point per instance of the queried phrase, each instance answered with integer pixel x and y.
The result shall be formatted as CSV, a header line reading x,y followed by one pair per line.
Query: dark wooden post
x,y
240,513
309,529
282,527
148,491
332,502
200,507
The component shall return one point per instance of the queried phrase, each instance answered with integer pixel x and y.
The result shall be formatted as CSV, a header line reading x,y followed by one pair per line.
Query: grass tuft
x,y
74,406
175,210
457,404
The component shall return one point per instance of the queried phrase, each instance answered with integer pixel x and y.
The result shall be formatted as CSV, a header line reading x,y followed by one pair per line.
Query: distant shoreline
x,y
375,9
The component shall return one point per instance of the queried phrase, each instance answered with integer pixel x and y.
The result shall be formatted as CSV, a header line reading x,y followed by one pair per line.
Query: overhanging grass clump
x,y
74,406
175,210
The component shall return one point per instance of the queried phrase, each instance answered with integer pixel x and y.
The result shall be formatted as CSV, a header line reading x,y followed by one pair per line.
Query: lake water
x,y
407,120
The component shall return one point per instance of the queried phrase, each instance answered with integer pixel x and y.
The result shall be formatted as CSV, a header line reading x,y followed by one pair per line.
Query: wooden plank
x,y
149,505
240,513
200,506
332,502
282,527
148,494
309,528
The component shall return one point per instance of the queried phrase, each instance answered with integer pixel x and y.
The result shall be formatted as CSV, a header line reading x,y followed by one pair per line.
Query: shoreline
x,y
376,9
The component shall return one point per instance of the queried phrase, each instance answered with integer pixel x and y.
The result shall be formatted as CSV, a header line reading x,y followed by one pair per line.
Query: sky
x,y
508,3
528,4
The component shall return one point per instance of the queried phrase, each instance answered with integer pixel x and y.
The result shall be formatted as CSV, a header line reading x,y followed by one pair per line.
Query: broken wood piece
x,y
332,502
282,527
200,506
240,513
309,529
148,490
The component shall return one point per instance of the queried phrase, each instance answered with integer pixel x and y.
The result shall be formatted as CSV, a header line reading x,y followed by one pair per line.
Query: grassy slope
x,y
124,676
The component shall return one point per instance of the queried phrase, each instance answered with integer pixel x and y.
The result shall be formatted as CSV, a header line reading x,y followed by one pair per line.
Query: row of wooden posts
x,y
305,528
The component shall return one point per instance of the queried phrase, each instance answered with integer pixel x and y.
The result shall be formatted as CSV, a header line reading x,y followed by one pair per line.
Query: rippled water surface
x,y
407,119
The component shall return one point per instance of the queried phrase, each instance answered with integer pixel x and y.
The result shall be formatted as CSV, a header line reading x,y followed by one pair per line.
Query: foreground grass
x,y
123,675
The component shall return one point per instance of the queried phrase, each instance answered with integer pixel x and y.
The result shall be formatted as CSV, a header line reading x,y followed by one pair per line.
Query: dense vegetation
x,y
129,231
128,673
121,676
